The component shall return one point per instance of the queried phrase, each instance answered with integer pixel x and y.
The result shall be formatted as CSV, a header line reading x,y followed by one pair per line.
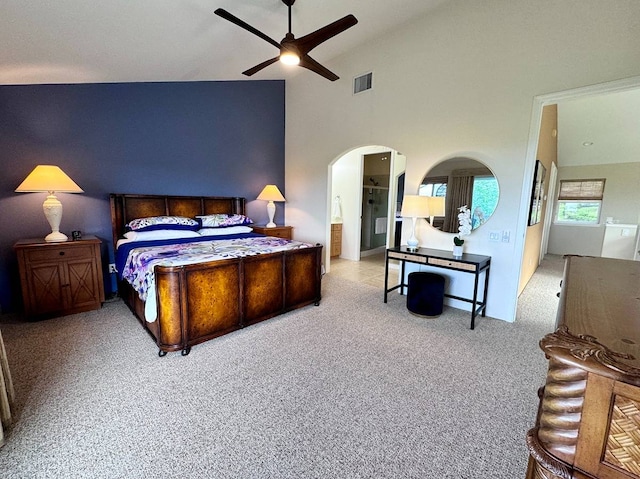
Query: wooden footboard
x,y
202,301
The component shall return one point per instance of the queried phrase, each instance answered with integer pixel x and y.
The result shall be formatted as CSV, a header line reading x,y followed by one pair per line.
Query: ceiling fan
x,y
295,51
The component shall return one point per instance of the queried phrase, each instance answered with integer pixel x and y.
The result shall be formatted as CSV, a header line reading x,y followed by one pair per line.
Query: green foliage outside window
x,y
484,200
578,212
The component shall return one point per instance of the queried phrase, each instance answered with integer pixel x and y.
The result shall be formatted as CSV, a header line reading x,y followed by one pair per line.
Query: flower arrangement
x,y
464,220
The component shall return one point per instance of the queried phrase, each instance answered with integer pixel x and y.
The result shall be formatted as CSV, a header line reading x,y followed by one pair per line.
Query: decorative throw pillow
x,y
223,221
163,223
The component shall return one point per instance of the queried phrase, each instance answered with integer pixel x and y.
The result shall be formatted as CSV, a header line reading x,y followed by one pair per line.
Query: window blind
x,y
592,189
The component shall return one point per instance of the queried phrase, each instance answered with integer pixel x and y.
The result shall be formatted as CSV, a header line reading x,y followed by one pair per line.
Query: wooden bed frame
x,y
201,301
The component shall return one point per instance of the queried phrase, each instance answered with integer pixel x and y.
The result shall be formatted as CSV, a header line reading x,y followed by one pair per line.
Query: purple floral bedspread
x,y
138,268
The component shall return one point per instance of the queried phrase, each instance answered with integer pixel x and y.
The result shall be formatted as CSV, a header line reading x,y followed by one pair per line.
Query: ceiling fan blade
x,y
259,67
308,42
233,19
310,64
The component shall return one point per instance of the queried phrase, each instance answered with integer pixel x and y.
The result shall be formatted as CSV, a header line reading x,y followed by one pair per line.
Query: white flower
x,y
464,219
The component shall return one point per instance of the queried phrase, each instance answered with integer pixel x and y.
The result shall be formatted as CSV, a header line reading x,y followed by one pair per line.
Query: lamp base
x,y
271,211
412,242
53,212
55,237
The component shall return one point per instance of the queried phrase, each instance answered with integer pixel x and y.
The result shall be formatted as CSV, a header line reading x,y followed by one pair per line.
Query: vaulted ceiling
x,y
80,41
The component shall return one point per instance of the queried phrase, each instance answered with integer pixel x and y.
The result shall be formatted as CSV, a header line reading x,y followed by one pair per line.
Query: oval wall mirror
x,y
456,182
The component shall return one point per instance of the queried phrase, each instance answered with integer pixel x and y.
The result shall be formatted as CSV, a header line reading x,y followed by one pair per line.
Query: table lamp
x,y
271,193
414,207
50,179
436,207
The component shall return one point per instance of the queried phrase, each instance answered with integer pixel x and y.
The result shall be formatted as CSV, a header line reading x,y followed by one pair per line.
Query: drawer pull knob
x,y
61,253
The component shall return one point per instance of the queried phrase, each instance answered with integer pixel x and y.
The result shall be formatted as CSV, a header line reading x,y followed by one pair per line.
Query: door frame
x,y
539,102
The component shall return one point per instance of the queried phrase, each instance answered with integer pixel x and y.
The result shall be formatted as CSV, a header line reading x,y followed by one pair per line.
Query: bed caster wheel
x,y
186,351
162,353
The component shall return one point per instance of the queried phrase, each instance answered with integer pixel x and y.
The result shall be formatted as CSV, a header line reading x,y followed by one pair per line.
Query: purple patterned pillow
x,y
223,221
152,223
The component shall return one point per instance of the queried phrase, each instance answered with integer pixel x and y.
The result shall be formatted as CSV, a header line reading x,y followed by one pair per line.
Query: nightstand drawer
x,y
278,231
58,252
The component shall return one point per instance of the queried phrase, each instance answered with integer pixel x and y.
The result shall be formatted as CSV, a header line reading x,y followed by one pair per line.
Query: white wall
x,y
459,82
347,183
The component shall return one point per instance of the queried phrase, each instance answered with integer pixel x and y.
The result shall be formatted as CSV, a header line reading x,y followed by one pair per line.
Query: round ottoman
x,y
425,294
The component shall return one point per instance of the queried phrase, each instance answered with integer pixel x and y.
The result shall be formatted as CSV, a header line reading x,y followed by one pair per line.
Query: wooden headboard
x,y
125,208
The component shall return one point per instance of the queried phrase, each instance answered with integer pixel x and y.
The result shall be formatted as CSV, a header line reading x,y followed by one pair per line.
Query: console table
x,y
467,263
588,423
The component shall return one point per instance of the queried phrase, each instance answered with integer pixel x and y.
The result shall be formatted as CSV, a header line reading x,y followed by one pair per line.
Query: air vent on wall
x,y
363,83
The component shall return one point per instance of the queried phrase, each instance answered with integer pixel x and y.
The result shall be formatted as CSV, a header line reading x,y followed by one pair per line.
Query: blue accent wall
x,y
187,138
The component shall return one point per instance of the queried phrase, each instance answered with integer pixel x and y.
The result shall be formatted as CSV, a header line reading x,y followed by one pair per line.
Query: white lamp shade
x,y
415,206
46,178
271,193
436,205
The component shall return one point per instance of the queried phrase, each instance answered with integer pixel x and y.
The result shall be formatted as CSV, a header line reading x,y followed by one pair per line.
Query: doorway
x,y
375,203
600,91
352,188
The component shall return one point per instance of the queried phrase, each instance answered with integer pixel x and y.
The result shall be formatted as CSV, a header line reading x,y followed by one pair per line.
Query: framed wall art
x,y
537,194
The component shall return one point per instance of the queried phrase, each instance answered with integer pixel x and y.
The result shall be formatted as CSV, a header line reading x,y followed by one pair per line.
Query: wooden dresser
x,y
588,423
60,278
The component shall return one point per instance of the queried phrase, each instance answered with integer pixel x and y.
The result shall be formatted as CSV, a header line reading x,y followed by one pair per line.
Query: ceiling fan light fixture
x,y
289,58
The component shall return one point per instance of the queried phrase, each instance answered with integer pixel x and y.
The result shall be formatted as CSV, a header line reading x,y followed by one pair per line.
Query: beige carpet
x,y
352,388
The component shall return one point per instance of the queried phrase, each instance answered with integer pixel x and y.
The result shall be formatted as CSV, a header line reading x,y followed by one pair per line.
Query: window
x,y
485,199
580,201
434,186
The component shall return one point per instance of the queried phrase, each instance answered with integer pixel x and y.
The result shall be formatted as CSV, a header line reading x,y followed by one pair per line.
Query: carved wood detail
x,y
585,350
561,409
545,466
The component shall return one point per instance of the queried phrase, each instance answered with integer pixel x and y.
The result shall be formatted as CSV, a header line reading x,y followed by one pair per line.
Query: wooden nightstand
x,y
285,232
60,278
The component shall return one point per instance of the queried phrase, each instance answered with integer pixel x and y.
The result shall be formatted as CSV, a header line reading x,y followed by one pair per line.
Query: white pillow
x,y
160,234
230,230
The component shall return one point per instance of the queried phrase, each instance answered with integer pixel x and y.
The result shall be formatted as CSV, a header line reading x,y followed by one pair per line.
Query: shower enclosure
x,y
373,233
